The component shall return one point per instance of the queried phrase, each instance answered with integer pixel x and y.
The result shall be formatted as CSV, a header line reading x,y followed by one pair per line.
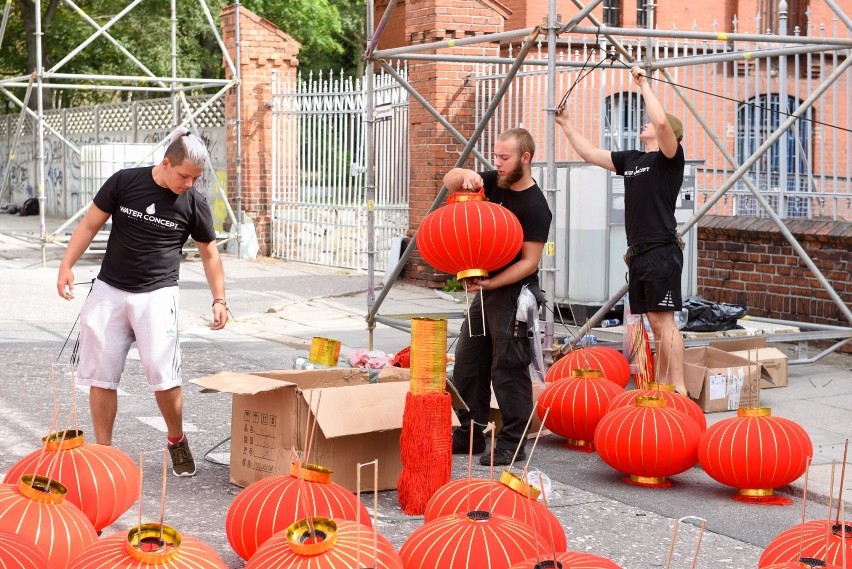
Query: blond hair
x,y
522,138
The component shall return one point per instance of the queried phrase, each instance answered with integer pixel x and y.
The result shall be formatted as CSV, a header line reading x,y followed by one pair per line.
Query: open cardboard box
x,y
272,412
773,362
720,381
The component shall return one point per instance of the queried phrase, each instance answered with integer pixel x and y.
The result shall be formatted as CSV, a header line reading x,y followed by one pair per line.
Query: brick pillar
x,y
433,150
263,48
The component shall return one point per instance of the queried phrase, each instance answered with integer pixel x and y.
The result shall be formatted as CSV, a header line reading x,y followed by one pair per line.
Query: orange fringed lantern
x,y
149,545
569,560
469,236
755,453
35,509
576,406
273,504
326,543
472,539
18,553
611,363
667,392
820,539
101,480
648,441
509,497
425,443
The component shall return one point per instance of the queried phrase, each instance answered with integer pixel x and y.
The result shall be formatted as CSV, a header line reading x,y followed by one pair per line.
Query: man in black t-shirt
x,y
499,355
154,211
652,180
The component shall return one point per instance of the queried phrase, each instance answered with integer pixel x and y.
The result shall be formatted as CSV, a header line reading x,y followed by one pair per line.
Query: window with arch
x,y
623,118
782,172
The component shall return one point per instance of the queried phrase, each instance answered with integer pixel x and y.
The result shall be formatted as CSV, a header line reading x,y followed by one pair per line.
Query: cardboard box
x,y
718,380
273,411
772,361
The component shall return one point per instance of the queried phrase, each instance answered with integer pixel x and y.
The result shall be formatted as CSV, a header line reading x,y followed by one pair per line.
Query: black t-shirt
x,y
150,225
651,185
529,206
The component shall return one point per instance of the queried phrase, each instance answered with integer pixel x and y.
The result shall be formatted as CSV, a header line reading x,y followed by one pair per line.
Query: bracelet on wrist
x,y
220,301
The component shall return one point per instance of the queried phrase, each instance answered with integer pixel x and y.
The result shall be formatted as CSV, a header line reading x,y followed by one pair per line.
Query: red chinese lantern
x,y
508,497
273,504
611,363
569,560
469,236
667,392
18,553
819,539
649,441
755,453
151,545
802,564
325,543
101,480
36,510
472,539
576,406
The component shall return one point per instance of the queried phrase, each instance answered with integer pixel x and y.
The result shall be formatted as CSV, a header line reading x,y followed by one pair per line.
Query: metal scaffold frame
x,y
176,86
792,45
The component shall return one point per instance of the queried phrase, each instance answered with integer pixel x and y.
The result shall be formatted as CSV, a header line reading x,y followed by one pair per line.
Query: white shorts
x,y
112,319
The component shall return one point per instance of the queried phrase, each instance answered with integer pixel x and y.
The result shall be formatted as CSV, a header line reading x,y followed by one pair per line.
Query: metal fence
x,y
319,208
806,174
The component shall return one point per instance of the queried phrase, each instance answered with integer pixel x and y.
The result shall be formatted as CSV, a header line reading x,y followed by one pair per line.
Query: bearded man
x,y
499,355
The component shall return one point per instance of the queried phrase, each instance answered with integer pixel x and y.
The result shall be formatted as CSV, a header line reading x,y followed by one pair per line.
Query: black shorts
x,y
654,280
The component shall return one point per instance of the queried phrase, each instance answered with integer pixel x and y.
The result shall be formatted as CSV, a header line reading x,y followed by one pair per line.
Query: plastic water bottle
x,y
588,340
610,322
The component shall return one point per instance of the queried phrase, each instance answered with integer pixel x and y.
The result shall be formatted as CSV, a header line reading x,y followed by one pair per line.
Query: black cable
x,y
731,99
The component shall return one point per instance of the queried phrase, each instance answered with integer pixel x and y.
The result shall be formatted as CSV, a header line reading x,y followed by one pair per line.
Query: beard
x,y
506,182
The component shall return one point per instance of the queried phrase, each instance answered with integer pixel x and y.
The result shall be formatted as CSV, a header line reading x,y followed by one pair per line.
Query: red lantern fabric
x,y
800,565
570,560
576,406
36,510
610,362
348,544
473,539
469,236
507,498
122,551
648,441
755,453
18,553
818,539
101,480
667,392
273,504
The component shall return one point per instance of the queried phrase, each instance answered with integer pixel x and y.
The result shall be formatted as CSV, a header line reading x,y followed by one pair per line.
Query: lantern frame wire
x,y
673,540
375,464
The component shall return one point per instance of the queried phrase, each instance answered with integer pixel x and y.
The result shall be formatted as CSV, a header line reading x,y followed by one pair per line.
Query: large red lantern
x,y
649,441
755,453
576,406
469,236
472,539
326,544
802,564
18,553
35,509
611,363
819,539
569,560
273,504
508,497
101,480
149,545
667,392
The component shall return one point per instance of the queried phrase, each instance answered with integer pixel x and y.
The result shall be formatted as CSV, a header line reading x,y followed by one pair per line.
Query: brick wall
x,y
748,261
263,47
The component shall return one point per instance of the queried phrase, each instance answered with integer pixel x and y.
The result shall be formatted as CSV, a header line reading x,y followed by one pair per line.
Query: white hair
x,y
183,145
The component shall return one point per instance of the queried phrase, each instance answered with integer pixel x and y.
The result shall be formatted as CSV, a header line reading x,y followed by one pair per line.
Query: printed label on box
x,y
735,387
259,441
718,384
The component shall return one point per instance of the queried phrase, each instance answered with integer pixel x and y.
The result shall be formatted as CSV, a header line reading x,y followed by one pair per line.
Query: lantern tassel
x,y
425,448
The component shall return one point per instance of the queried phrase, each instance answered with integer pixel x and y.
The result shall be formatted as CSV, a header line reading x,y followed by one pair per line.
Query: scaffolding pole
x,y
370,174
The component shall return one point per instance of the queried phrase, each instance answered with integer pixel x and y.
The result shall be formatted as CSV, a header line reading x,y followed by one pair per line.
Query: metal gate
x,y
319,210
